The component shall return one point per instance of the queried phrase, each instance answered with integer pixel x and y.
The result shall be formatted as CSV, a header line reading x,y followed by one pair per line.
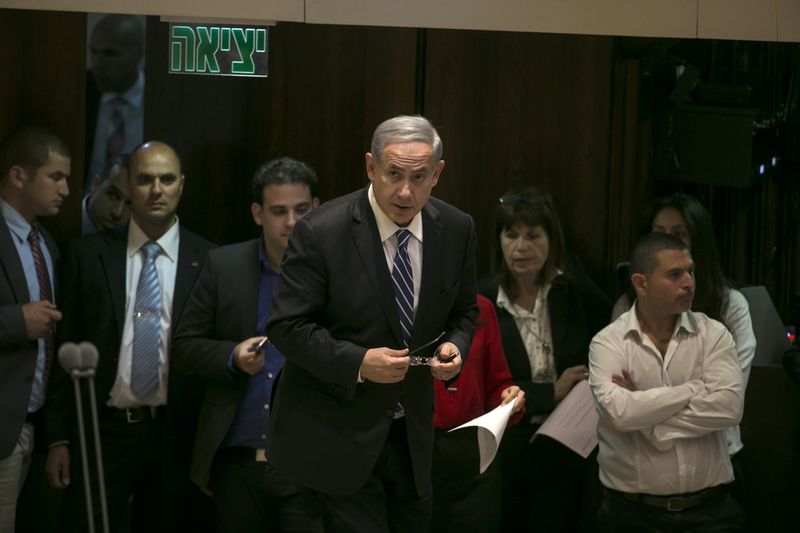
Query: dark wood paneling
x,y
43,64
517,107
328,87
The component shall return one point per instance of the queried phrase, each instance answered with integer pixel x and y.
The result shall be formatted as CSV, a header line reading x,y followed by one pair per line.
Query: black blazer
x,y
578,310
17,351
333,302
94,310
221,312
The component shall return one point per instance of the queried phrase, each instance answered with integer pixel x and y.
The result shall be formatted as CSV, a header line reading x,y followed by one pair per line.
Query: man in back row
x,y
667,384
223,321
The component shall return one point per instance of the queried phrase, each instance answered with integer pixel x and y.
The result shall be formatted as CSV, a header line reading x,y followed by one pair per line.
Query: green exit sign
x,y
218,50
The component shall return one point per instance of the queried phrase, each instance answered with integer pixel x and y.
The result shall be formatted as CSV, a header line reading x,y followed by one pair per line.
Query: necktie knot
x,y
33,236
403,236
151,250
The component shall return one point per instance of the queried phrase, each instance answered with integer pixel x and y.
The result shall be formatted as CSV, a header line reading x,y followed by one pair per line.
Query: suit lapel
x,y
248,290
431,279
189,262
113,260
370,249
12,264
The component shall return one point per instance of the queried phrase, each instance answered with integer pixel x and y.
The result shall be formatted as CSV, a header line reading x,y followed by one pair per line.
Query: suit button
x,y
389,413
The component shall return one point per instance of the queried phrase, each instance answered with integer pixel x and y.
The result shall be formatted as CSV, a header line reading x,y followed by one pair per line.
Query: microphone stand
x,y
84,459
88,374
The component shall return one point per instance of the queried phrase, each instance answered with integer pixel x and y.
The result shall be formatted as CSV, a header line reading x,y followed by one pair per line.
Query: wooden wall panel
x,y
43,64
328,87
529,107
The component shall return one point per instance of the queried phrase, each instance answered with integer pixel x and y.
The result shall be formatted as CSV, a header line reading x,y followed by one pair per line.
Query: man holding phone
x,y
220,341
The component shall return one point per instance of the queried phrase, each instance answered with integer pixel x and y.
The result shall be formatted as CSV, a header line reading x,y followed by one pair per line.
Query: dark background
x,y
581,117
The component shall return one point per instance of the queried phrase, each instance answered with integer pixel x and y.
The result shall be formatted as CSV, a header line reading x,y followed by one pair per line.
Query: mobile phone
x,y
260,344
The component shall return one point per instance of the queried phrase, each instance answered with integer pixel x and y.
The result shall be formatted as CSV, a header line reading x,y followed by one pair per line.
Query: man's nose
x,y
64,189
291,218
405,189
156,186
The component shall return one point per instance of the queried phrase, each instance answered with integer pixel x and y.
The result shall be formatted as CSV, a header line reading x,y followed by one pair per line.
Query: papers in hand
x,y
490,432
574,422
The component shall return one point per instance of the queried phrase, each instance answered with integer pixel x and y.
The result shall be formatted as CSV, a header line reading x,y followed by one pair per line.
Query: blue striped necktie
x,y
403,282
146,326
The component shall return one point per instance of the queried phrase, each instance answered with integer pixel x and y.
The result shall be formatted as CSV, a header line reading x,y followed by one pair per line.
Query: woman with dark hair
x,y
548,310
685,217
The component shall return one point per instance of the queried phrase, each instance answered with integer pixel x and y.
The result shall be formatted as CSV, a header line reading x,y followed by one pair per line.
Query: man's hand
x,y
384,365
449,370
570,377
57,466
39,318
516,395
246,358
625,380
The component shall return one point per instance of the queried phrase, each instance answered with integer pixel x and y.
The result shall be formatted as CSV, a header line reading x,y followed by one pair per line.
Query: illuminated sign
x,y
218,50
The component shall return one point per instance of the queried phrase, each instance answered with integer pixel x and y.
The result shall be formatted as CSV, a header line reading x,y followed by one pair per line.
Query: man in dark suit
x,y
114,91
34,167
365,278
124,289
214,343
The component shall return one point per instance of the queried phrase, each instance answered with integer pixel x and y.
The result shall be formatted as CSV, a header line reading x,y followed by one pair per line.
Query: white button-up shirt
x,y
167,266
667,436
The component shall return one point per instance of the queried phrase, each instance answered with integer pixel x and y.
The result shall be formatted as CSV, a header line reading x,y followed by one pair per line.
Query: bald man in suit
x,y
145,439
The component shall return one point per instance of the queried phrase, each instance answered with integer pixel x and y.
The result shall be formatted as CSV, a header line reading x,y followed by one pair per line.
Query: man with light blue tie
x,y
34,167
124,289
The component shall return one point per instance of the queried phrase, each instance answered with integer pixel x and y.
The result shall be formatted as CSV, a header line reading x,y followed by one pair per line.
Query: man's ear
x,y
255,210
369,161
95,184
438,171
17,176
639,282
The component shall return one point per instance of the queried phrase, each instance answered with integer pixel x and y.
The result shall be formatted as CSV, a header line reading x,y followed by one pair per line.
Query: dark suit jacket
x,y
94,310
17,351
221,313
334,301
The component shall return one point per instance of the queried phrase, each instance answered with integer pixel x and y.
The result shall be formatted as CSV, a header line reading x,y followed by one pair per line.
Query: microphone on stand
x,y
80,362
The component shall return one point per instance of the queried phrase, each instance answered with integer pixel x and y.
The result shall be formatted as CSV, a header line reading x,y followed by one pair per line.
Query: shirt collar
x,y
133,96
87,226
685,322
266,266
386,227
20,227
168,242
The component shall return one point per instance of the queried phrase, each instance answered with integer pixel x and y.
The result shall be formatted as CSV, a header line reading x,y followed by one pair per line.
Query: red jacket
x,y
483,378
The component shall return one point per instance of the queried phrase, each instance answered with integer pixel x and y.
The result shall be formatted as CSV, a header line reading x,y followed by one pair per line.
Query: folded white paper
x,y
490,432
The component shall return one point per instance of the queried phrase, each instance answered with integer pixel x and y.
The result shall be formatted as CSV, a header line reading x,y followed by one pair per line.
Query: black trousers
x,y
720,514
132,467
546,486
389,501
252,497
463,498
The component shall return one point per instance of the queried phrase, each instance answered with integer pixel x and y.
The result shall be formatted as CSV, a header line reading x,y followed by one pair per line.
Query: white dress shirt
x,y
736,317
166,265
387,230
667,436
